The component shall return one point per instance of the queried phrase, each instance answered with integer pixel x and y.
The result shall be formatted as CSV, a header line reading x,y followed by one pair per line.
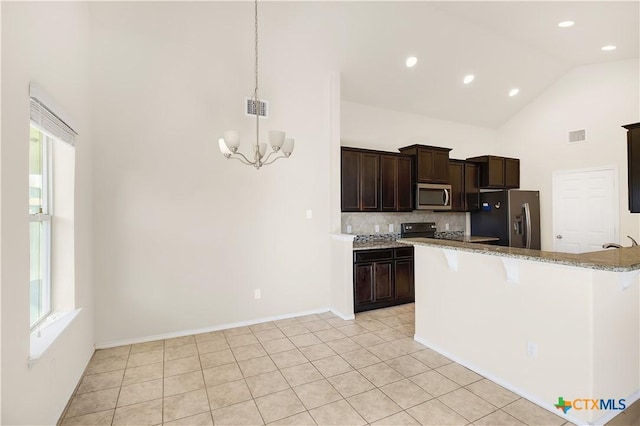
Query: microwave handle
x,y
446,197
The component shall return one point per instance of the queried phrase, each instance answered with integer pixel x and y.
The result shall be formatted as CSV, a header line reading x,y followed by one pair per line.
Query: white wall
x,y
48,43
599,98
365,126
185,235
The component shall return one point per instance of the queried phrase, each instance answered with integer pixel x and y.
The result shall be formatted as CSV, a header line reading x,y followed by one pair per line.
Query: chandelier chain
x,y
256,100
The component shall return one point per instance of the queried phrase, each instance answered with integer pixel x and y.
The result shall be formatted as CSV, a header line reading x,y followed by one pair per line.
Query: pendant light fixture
x,y
281,146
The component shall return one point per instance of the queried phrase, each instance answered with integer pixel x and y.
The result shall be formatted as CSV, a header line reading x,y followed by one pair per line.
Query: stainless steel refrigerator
x,y
511,215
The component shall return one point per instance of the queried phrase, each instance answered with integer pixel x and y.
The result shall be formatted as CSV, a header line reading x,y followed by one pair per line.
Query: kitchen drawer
x,y
404,252
372,255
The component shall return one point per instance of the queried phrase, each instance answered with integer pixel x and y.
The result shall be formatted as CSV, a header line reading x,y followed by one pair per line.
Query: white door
x,y
585,209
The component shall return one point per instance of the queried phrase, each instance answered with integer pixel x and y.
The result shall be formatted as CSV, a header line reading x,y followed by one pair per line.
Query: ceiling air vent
x,y
262,108
577,136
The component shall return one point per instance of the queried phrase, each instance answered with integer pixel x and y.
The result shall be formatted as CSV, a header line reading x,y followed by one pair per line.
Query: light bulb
x,y
411,61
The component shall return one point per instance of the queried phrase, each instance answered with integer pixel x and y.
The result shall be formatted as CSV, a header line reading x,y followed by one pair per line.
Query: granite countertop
x,y
616,260
387,244
372,245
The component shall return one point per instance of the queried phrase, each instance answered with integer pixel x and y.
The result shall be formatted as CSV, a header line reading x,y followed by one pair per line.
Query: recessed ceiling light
x,y
608,47
514,92
468,79
411,61
566,24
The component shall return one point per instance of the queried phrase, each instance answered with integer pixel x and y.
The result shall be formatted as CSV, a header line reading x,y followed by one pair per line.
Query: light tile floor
x,y
315,369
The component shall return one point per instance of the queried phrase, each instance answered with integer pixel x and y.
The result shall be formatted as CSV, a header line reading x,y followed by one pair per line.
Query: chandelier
x,y
281,146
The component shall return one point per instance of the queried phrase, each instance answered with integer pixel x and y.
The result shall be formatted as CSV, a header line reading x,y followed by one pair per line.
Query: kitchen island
x,y
544,325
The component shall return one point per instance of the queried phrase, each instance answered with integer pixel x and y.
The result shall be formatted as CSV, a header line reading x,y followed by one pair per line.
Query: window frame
x,y
45,217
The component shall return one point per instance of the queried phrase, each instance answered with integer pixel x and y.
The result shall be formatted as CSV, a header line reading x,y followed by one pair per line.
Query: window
x,y
51,232
39,226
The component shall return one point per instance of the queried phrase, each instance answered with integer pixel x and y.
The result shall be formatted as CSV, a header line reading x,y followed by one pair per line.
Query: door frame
x,y
616,190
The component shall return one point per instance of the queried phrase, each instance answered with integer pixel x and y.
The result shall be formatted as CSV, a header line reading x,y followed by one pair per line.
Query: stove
x,y
418,229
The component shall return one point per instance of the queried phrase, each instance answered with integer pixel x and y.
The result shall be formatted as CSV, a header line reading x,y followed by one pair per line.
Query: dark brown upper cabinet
x,y
395,183
471,186
633,165
431,163
498,172
360,181
456,180
375,181
465,189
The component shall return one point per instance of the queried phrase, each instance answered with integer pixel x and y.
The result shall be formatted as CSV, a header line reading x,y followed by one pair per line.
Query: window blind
x,y
48,122
50,117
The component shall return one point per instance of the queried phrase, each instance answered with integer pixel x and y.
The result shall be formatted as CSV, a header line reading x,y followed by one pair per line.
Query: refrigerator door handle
x,y
527,215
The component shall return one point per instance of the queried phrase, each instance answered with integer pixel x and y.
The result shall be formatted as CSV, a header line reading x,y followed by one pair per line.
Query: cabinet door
x,y
383,281
389,182
440,167
350,181
633,156
363,283
495,172
472,186
511,173
404,279
456,179
369,189
405,188
425,165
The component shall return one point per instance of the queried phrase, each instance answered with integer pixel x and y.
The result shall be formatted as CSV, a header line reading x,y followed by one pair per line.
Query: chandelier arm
x,y
267,157
245,161
273,161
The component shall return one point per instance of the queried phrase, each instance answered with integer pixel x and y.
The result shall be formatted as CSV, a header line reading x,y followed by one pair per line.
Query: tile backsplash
x,y
365,223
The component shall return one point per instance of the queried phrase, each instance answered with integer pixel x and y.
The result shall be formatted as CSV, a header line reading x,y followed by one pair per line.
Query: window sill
x,y
43,337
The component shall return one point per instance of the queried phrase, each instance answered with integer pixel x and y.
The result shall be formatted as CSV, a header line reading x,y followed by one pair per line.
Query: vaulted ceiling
x,y
505,45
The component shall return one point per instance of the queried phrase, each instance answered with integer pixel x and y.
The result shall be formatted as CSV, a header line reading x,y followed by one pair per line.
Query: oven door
x,y
433,197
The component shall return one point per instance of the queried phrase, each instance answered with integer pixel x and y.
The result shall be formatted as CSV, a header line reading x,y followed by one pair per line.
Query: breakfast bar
x,y
542,324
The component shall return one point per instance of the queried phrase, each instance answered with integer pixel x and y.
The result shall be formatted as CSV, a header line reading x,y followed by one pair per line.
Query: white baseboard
x,y
343,316
132,341
544,404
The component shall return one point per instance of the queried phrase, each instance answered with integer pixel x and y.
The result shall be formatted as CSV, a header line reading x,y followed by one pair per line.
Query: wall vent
x,y
577,136
262,107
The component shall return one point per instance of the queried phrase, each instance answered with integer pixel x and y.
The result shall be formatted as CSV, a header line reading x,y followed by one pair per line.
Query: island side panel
x,y
477,318
616,322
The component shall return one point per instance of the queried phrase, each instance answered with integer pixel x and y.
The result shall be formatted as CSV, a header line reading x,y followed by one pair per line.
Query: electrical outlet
x,y
257,294
446,226
391,227
377,228
349,229
309,214
532,349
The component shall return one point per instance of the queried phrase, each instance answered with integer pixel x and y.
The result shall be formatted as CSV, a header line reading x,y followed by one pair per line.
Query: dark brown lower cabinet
x,y
382,277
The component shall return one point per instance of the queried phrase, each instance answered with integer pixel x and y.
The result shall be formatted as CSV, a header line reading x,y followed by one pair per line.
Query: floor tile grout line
x,y
115,408
204,383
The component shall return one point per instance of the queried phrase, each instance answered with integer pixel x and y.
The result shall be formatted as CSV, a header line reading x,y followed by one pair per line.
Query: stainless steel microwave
x,y
433,197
